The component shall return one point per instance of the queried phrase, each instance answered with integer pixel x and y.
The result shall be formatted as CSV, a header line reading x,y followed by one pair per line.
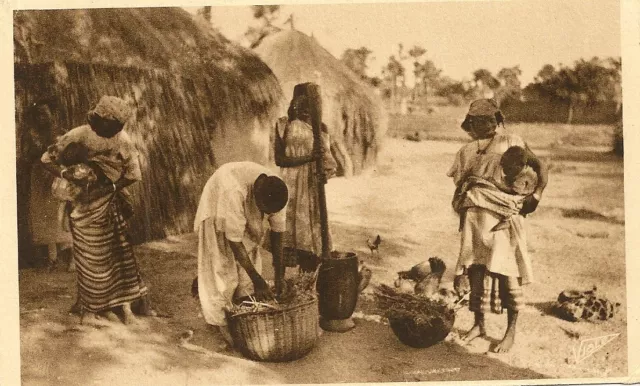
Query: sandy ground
x,y
576,237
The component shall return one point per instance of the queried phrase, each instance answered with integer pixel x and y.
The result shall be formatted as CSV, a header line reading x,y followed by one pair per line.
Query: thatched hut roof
x,y
351,109
200,100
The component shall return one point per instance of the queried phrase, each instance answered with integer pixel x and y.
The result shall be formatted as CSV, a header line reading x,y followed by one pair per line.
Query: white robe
x,y
504,251
228,212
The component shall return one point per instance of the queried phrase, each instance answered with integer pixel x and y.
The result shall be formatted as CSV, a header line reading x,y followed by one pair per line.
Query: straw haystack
x,y
351,109
200,101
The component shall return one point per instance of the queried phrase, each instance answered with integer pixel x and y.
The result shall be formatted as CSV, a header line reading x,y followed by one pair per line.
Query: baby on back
x,y
518,171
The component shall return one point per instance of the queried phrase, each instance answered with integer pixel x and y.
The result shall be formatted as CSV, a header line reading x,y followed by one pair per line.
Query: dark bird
x,y
194,287
461,285
375,244
413,137
364,276
417,272
430,284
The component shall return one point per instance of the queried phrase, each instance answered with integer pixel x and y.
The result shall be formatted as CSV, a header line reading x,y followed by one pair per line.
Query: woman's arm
x,y
278,266
284,161
261,287
541,170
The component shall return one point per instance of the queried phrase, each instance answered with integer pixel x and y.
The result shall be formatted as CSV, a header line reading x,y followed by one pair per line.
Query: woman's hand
x,y
530,204
261,289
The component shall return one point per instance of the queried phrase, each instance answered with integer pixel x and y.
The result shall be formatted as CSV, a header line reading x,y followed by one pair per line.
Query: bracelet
x,y
114,186
537,196
62,172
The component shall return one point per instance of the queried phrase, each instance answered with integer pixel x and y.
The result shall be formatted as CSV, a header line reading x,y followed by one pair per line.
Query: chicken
x,y
404,285
413,137
421,270
375,244
461,285
430,284
364,276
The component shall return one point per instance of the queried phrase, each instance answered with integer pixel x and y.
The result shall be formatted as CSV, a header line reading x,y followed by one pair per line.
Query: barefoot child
x,y
493,193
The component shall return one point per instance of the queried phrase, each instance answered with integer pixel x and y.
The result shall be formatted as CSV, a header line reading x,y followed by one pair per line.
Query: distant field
x,y
444,124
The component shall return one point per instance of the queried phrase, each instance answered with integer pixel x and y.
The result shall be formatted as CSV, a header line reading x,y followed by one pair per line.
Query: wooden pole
x,y
315,102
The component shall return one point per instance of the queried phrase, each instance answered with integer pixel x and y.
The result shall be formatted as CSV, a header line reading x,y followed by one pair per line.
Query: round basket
x,y
422,335
276,335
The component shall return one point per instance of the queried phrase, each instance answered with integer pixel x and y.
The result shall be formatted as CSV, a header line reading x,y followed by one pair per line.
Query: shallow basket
x,y
422,336
276,335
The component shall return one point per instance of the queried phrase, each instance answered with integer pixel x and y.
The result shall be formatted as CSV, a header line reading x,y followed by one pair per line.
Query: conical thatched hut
x,y
352,111
200,101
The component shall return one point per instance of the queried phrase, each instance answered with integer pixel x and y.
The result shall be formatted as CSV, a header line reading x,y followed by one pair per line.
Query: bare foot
x,y
111,316
475,332
144,307
76,308
88,318
129,318
506,344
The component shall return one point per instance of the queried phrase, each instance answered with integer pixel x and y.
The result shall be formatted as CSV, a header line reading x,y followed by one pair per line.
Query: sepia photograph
x,y
320,193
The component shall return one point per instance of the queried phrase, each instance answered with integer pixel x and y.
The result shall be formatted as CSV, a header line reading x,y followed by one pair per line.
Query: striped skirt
x,y
107,271
491,292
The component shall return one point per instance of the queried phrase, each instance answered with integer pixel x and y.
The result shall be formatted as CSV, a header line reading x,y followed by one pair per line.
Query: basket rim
x,y
270,311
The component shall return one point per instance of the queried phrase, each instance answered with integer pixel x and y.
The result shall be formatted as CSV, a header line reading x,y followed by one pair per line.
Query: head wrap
x,y
112,108
484,107
298,107
273,192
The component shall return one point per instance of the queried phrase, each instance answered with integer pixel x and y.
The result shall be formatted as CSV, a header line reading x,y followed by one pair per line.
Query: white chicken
x,y
429,284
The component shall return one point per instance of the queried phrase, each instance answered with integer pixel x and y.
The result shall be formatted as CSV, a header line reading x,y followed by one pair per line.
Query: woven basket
x,y
415,321
422,336
276,335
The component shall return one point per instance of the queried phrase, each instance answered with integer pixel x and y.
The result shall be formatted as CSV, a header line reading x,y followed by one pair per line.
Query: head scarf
x,y
484,109
112,108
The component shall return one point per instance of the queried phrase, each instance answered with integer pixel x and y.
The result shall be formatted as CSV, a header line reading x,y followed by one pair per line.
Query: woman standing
x,y
107,271
294,153
495,258
38,211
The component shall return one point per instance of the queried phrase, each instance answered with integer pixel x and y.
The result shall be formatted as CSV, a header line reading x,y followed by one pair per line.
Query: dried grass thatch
x,y
200,100
352,111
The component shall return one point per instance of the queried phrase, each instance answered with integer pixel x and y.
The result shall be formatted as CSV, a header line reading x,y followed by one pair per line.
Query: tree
x,y
510,87
393,71
401,58
616,73
484,79
429,74
587,82
267,15
546,73
416,52
356,60
456,92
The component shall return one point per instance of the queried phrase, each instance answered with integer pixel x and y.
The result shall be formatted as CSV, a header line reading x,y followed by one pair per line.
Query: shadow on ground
x,y
57,350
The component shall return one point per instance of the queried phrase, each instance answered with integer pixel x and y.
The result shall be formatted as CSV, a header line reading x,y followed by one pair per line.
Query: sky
x,y
460,37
